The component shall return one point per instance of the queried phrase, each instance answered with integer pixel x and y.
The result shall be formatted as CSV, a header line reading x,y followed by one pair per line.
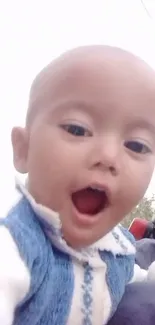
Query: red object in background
x,y
141,228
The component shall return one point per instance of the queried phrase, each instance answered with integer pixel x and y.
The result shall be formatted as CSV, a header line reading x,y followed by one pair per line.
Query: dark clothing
x,y
138,304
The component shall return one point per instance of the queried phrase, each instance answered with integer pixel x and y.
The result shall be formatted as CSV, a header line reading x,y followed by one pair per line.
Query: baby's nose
x,y
107,155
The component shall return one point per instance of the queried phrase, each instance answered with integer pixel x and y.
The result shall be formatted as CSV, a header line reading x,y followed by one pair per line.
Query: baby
x,y
88,148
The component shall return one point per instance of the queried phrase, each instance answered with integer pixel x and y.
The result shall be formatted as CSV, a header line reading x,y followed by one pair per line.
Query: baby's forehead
x,y
109,59
86,63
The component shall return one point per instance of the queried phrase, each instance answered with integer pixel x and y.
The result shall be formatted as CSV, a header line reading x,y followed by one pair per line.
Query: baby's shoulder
x,y
119,258
120,267
26,252
118,253
127,234
24,228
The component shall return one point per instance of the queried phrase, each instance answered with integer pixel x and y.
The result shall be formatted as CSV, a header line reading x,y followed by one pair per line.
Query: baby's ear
x,y
19,139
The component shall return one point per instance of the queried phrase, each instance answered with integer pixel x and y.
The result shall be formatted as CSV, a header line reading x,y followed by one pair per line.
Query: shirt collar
x,y
115,241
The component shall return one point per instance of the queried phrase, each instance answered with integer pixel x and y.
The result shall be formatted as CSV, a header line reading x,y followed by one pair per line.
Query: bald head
x,y
113,61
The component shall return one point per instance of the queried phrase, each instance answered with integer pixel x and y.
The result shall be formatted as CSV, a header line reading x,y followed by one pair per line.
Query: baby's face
x,y
91,152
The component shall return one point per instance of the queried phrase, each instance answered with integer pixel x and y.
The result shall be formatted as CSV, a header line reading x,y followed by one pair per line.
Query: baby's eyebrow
x,y
144,124
76,103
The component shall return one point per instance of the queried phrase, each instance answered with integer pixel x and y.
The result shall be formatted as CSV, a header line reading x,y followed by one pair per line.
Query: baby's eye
x,y
137,147
76,130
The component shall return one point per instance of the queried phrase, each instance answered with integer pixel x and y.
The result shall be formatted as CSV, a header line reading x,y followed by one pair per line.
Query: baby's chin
x,y
79,238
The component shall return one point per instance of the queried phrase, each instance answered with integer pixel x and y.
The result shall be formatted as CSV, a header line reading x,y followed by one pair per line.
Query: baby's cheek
x,y
136,181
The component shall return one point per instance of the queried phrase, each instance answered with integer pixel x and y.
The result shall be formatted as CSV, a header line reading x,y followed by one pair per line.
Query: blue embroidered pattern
x,y
119,241
87,295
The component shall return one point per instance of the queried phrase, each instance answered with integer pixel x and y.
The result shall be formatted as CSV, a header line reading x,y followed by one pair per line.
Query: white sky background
x,y
33,32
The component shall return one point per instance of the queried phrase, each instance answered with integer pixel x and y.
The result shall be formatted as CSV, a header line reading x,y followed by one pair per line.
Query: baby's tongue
x,y
88,201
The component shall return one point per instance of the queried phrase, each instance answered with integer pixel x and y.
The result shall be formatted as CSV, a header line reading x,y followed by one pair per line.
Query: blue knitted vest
x,y
52,279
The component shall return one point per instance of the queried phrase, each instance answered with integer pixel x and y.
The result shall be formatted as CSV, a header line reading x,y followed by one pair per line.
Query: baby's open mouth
x,y
90,201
